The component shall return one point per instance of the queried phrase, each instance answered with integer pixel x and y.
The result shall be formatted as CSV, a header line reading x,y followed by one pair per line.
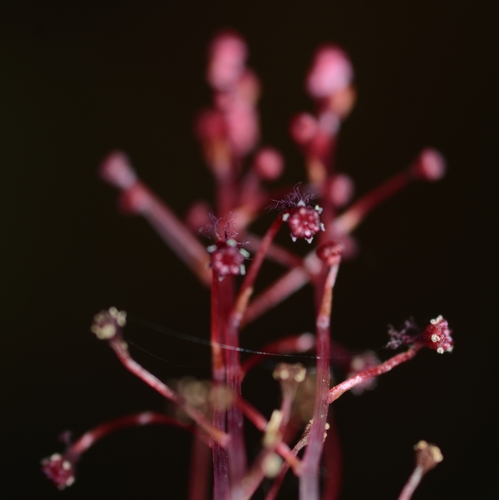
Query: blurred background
x,y
81,78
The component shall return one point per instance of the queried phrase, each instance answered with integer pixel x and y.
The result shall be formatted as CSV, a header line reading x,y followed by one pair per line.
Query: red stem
x,y
121,350
350,219
309,473
135,420
345,386
220,459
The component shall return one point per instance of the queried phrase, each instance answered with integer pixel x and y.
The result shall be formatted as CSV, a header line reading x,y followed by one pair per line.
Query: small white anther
x,y
231,243
242,270
66,465
70,480
435,338
301,203
211,248
440,350
318,209
293,238
244,253
309,240
285,217
436,320
322,227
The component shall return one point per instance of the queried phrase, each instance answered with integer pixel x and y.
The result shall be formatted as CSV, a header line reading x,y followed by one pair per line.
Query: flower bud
x,y
228,54
331,71
117,170
268,164
429,166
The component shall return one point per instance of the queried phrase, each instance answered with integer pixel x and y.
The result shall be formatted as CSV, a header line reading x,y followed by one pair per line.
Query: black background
x,y
80,78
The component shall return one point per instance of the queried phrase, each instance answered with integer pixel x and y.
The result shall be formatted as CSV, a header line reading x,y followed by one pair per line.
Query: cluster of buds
x,y
215,412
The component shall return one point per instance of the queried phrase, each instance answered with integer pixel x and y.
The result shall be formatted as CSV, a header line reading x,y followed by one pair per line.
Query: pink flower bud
x,y
117,170
268,164
59,470
303,128
330,252
331,71
429,166
198,216
242,128
340,190
227,54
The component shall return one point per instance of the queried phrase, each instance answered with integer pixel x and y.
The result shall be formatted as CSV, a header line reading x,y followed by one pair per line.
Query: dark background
x,y
80,78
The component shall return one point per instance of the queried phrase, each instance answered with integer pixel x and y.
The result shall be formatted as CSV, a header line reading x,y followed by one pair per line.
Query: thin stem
x,y
412,483
349,220
345,386
90,437
260,422
276,486
121,350
199,471
140,199
292,344
220,459
237,448
276,253
309,477
332,464
283,287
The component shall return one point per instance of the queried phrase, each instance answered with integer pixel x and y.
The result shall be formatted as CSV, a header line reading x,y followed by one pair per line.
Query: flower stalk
x,y
318,213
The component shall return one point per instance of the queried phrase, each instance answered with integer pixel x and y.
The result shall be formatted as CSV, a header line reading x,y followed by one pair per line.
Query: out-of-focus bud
x,y
331,72
268,164
227,57
198,216
429,166
340,190
303,128
242,128
358,364
117,170
330,252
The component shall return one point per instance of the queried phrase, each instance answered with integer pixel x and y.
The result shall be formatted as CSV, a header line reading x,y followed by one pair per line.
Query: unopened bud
x,y
303,128
331,71
429,166
117,170
227,54
268,164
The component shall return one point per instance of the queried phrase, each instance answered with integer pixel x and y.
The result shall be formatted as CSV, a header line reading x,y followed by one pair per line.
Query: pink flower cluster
x,y
229,266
